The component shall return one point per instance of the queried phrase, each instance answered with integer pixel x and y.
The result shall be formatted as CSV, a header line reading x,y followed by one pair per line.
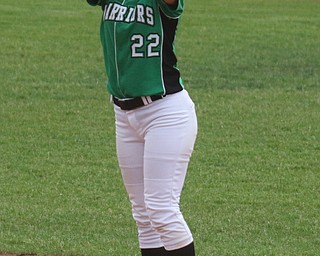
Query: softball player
x,y
156,123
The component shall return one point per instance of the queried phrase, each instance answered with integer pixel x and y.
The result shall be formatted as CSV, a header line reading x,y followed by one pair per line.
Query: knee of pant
x,y
160,217
142,221
141,217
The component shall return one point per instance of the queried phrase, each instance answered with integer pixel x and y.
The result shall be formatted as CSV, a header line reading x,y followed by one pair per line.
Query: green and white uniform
x,y
155,139
137,38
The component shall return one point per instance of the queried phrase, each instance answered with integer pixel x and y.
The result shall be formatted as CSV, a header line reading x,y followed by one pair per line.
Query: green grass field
x,y
253,186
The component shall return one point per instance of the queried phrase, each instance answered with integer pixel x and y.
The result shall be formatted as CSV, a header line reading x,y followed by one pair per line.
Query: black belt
x,y
129,104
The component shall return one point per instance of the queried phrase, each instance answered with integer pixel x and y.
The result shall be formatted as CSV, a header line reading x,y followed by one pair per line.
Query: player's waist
x,y
137,102
130,104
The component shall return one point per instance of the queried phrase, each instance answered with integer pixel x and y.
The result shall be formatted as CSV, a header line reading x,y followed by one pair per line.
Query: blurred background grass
x,y
252,68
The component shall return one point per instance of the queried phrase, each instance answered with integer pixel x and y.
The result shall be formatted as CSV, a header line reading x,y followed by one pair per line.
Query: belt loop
x,y
146,100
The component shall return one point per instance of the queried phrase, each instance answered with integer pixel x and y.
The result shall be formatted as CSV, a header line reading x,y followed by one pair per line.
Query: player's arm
x,y
171,2
171,8
101,3
95,2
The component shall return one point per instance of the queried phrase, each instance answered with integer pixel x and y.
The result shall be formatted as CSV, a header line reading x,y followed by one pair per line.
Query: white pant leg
x,y
169,143
130,150
167,128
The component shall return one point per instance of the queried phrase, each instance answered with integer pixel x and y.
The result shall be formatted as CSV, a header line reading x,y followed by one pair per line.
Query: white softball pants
x,y
154,145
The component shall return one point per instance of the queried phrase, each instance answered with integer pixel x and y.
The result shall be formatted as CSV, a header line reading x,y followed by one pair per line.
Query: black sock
x,y
154,252
185,251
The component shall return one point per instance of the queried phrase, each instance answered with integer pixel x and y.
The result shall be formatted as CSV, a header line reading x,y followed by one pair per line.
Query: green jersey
x,y
137,38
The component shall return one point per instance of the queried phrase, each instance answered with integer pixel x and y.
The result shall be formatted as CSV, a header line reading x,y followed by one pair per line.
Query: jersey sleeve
x,y
170,11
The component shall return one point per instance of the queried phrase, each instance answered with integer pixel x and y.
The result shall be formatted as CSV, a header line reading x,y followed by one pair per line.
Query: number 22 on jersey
x,y
142,47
